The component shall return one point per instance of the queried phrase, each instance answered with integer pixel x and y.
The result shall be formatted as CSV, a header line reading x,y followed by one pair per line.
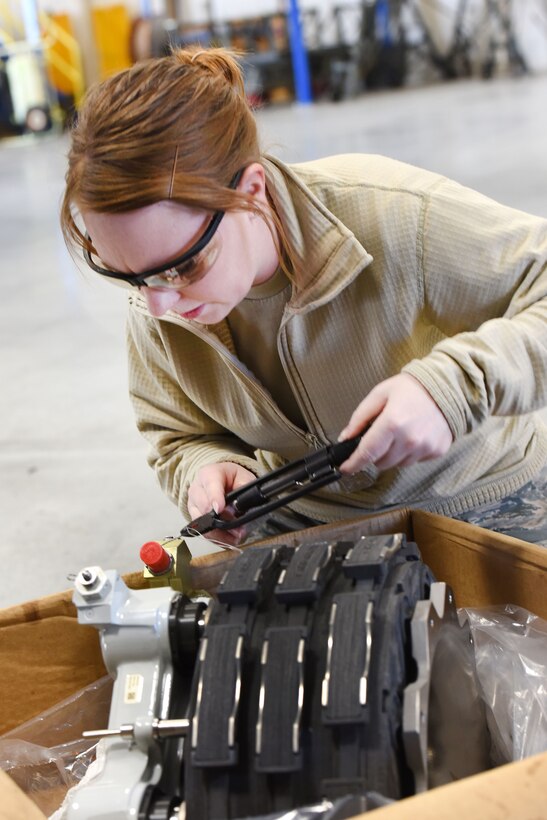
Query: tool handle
x,y
295,479
343,449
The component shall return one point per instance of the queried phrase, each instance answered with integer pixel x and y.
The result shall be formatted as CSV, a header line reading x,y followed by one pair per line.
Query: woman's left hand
x,y
406,426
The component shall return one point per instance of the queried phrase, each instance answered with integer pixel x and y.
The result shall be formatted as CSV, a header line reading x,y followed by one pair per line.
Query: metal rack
x,y
393,33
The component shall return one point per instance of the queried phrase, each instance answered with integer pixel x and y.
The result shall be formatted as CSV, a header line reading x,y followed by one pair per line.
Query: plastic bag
x,y
511,657
47,755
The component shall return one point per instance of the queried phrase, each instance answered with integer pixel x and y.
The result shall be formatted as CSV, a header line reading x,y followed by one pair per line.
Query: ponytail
x,y
216,61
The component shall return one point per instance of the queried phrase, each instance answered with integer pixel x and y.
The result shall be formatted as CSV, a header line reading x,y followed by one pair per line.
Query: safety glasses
x,y
191,266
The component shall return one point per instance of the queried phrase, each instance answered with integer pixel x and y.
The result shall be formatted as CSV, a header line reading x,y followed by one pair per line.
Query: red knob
x,y
156,558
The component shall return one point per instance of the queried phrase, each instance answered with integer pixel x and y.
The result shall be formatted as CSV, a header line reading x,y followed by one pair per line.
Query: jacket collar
x,y
326,256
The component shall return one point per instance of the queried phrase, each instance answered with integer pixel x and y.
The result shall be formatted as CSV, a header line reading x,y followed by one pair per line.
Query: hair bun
x,y
217,61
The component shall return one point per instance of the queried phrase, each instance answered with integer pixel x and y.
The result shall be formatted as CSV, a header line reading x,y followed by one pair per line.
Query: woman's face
x,y
151,237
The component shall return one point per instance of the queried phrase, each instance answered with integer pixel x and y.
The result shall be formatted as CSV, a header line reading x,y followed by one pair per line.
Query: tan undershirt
x,y
254,324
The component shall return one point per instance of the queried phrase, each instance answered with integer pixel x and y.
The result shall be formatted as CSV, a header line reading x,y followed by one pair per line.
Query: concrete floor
x,y
75,487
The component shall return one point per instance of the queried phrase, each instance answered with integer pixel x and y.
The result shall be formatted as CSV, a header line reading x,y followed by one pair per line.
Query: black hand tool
x,y
277,488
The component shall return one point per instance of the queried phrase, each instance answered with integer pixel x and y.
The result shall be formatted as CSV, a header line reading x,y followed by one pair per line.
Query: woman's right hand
x,y
208,492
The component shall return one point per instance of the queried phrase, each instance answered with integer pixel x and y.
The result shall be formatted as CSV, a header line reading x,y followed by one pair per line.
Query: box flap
x,y
483,567
43,662
517,790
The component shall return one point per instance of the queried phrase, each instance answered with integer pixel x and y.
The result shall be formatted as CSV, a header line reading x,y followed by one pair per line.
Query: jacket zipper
x,y
313,439
310,438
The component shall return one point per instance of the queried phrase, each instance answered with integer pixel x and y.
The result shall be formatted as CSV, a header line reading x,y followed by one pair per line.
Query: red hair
x,y
176,127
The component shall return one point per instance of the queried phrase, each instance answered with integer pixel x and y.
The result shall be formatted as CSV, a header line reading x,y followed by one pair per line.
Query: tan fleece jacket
x,y
395,269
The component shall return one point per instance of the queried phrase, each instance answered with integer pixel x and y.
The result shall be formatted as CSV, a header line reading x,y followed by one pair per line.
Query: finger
x,y
367,410
198,500
396,456
229,537
193,511
242,478
372,448
405,450
213,484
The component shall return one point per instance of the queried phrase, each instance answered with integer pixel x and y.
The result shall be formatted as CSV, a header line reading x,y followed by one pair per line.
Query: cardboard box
x,y
46,655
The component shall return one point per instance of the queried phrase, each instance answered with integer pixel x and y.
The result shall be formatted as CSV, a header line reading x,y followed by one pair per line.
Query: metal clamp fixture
x,y
334,669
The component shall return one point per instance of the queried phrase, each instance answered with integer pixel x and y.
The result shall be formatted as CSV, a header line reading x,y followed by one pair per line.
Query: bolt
x,y
87,577
92,583
159,729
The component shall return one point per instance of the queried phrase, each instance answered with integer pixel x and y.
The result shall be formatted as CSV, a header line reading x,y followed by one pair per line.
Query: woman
x,y
276,308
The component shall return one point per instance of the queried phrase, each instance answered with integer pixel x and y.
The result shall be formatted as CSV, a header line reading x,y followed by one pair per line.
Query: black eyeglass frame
x,y
138,280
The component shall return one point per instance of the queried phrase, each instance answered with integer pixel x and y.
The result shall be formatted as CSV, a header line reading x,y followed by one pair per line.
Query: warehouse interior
x,y
76,487
349,624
